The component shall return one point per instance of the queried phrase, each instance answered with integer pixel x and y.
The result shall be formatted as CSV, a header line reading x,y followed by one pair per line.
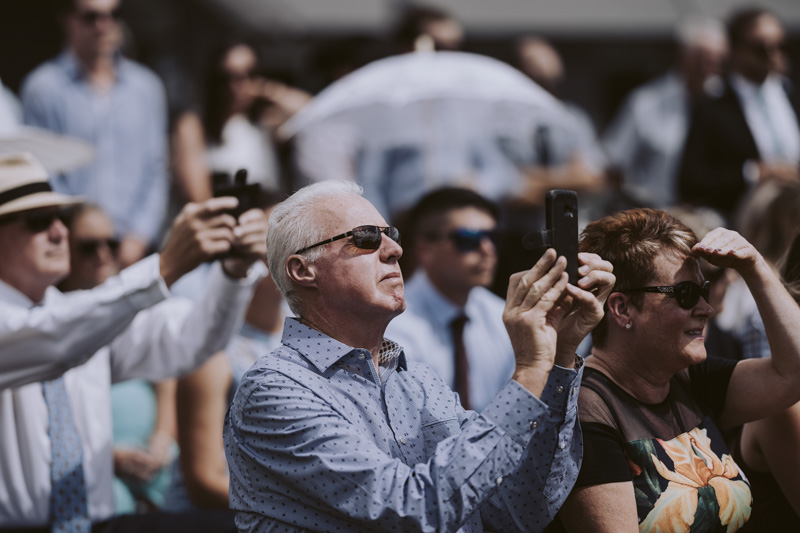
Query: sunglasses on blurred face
x,y
468,240
90,247
766,49
40,220
90,17
687,293
364,237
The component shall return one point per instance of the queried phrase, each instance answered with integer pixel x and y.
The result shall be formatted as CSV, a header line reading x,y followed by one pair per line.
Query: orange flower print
x,y
697,466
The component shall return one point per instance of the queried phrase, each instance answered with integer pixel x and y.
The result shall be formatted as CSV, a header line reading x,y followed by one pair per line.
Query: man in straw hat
x,y
59,353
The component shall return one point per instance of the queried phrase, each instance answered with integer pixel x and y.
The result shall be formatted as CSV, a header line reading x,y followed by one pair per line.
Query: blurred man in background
x,y
452,321
90,91
645,141
748,133
61,352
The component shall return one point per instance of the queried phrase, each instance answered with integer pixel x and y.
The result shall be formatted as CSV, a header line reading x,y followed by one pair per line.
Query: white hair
x,y
291,228
697,30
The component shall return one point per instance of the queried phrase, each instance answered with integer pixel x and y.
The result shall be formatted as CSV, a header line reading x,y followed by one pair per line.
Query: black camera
x,y
248,195
561,212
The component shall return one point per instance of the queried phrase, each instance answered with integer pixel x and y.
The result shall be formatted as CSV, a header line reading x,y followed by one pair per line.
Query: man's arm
x,y
45,341
177,336
281,433
529,499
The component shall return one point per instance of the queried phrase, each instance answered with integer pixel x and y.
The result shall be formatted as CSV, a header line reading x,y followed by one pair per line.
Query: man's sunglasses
x,y
39,221
469,240
687,293
365,237
89,247
90,16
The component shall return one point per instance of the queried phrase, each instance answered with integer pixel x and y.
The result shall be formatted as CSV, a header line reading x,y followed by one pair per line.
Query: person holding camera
x,y
60,353
336,430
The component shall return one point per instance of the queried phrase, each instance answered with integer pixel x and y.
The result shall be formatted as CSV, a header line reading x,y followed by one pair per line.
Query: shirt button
x,y
574,390
402,440
559,389
562,444
534,424
499,480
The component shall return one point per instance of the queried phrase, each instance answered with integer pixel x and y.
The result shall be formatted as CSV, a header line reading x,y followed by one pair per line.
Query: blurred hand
x,y
249,245
782,172
582,307
200,231
528,315
725,248
136,464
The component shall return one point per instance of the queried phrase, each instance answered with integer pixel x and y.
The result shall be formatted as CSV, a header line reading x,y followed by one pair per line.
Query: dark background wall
x,y
174,36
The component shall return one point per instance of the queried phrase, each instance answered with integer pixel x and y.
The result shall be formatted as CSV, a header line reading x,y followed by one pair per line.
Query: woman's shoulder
x,y
598,399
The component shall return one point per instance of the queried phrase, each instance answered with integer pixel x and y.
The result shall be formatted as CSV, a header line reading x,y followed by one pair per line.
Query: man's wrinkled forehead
x,y
344,212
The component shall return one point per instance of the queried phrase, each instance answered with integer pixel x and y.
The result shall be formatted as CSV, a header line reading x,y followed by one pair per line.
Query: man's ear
x,y
301,271
619,308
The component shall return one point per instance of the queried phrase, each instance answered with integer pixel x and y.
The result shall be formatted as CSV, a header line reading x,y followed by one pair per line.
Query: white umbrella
x,y
57,153
406,124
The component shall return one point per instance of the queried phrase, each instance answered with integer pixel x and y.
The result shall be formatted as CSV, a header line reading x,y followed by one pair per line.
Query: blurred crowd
x,y
454,149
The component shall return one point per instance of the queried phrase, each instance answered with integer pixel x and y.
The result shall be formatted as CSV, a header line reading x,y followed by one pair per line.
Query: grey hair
x,y
291,228
695,30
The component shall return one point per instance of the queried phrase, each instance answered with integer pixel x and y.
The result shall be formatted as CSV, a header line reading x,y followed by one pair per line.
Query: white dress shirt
x,y
423,331
645,140
95,338
770,117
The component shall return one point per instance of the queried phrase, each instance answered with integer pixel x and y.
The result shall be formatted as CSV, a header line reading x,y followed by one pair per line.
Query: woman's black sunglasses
x,y
365,237
687,293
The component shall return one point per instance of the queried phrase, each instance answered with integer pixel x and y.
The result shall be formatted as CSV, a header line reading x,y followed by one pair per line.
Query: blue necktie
x,y
68,503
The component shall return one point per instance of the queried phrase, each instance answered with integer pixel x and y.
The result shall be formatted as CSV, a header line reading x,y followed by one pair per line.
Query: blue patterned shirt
x,y
127,126
319,439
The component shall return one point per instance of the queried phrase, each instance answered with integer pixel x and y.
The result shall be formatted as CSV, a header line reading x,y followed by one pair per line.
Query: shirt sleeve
x,y
286,435
177,335
34,96
45,341
530,497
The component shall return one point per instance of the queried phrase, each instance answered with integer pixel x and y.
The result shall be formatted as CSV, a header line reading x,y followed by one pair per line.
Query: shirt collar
x,y
69,62
323,351
11,295
747,88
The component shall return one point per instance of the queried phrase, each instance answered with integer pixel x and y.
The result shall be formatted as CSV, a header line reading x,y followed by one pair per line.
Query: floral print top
x,y
685,480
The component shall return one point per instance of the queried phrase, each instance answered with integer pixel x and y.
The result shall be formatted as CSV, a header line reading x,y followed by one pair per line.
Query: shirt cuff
x,y
561,390
516,411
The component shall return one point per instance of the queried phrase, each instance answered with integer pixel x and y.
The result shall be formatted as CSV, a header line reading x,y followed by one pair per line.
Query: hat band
x,y
24,190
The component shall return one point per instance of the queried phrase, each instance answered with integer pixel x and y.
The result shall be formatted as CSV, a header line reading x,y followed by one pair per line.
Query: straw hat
x,y
24,186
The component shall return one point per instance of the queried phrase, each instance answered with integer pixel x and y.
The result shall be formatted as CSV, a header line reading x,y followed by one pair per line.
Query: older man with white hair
x,y
645,141
335,431
59,353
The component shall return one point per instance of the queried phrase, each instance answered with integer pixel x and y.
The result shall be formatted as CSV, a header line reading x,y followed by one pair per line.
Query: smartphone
x,y
561,219
246,194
